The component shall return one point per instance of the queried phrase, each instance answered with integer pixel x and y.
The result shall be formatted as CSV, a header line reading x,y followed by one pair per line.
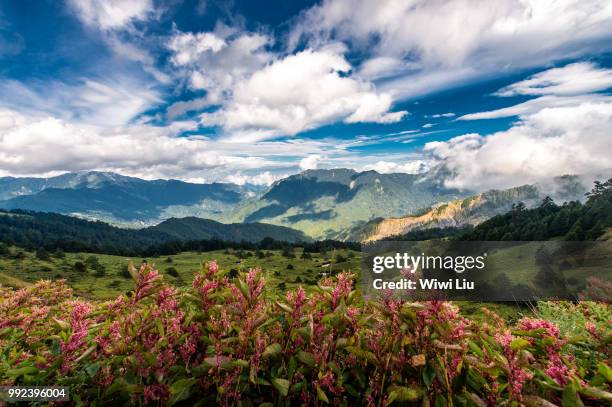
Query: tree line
x,y
34,230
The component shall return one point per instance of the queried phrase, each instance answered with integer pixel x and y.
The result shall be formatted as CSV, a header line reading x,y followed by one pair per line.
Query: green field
x,y
20,267
282,273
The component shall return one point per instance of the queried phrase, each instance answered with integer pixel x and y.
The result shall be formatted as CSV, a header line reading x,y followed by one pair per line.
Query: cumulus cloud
x,y
111,14
216,61
551,142
40,145
301,92
311,162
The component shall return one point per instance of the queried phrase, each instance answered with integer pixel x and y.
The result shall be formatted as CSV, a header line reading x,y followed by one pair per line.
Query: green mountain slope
x,y
324,203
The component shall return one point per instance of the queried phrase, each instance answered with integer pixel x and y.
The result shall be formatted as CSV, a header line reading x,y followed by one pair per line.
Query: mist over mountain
x,y
472,210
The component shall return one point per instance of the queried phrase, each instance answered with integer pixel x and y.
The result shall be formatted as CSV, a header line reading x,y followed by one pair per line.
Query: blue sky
x,y
501,92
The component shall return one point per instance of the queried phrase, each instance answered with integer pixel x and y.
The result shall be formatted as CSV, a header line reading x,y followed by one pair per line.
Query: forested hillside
x,y
34,229
572,220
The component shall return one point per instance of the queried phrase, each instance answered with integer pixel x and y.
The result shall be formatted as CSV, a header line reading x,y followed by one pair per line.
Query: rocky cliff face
x,y
469,211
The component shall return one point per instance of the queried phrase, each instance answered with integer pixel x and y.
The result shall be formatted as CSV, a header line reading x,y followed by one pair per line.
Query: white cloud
x,y
298,93
111,103
534,105
573,79
381,67
388,167
551,142
216,61
111,14
439,115
189,47
427,125
557,87
40,145
311,162
443,42
264,178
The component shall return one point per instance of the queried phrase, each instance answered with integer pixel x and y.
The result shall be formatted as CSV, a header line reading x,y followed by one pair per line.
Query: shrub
x,y
340,258
124,272
92,261
288,253
223,342
169,260
42,254
171,271
19,255
114,284
99,270
79,266
290,266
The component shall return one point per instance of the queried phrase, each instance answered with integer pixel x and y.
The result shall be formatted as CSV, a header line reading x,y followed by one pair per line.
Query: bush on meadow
x,y
225,342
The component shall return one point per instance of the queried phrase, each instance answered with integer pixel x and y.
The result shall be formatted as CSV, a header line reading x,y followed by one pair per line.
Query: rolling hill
x,y
35,229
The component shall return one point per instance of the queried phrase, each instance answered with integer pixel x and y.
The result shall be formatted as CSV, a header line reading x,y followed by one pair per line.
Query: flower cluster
x,y
225,341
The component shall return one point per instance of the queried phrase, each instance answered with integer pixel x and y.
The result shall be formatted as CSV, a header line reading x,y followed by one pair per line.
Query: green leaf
x,y
475,348
244,289
403,393
440,401
322,396
306,358
596,393
429,373
181,389
519,343
272,350
22,371
92,369
282,385
570,396
605,371
291,367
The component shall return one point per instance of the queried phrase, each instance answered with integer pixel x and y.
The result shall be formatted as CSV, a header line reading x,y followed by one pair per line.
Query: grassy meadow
x,y
105,276
283,271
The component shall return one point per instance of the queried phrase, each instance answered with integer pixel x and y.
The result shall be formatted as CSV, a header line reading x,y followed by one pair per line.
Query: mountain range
x,y
338,204
118,199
